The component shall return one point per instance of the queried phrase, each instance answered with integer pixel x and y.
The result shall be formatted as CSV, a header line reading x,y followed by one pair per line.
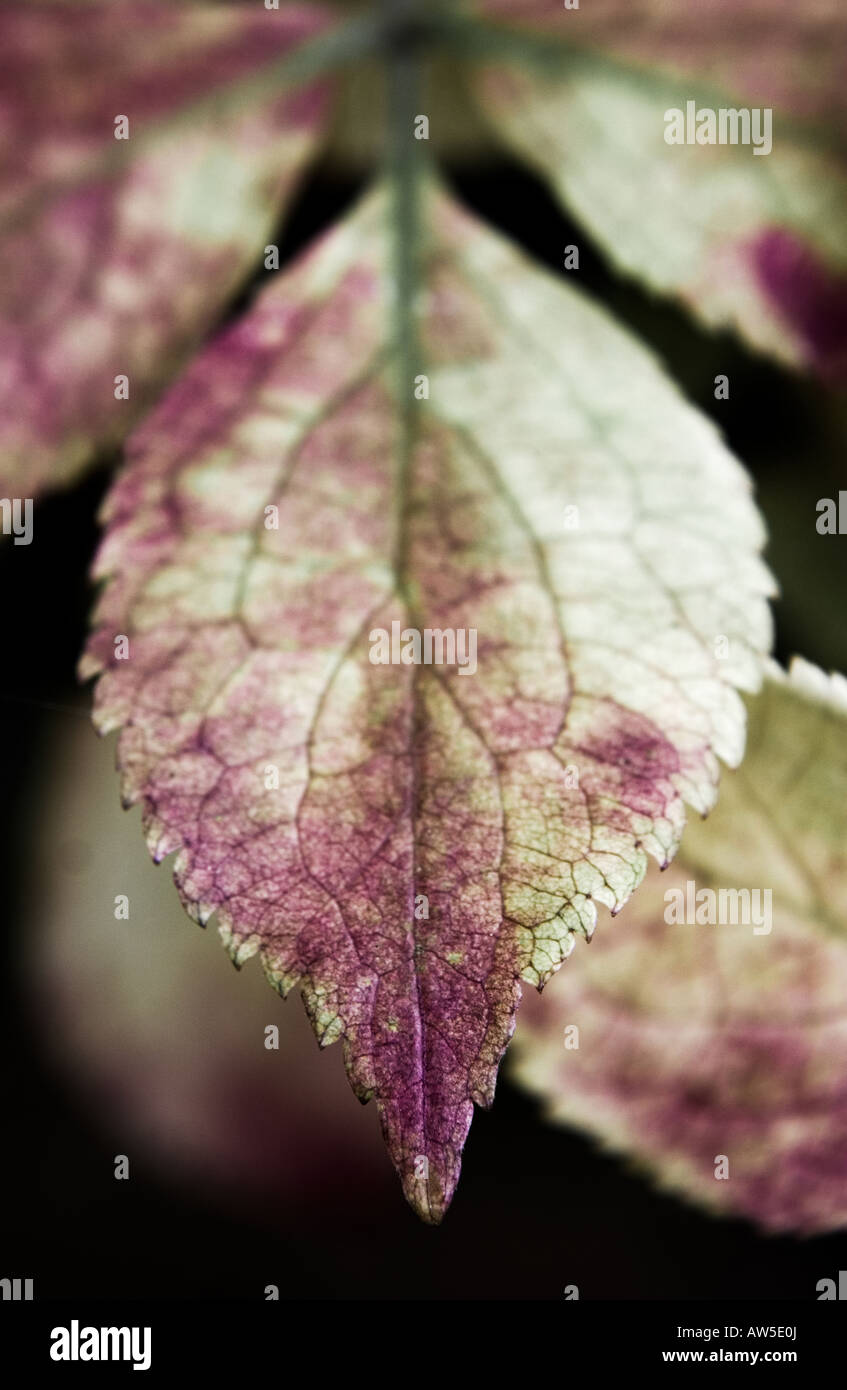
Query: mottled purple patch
x,y
809,296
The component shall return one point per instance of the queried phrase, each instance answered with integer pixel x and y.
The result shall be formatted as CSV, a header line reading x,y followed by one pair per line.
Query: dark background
x,y
537,1207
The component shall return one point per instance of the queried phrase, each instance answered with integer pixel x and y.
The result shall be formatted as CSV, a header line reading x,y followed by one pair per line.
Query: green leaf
x,y
697,1040
436,831
754,242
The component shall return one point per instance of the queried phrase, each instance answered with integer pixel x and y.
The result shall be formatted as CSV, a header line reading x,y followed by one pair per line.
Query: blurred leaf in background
x,y
697,1040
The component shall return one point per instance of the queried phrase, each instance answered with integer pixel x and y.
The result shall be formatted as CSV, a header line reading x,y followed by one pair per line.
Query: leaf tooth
x,y
90,664
107,721
162,841
199,912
